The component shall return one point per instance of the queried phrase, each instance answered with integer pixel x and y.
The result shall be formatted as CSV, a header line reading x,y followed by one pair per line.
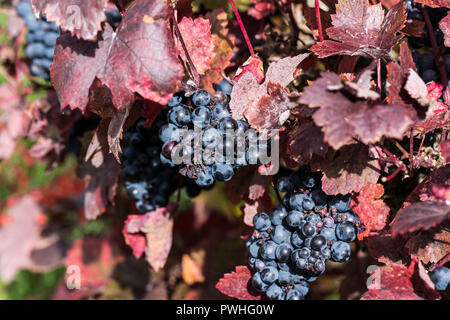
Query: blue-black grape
x,y
201,98
299,236
269,275
340,251
261,221
223,86
440,277
41,39
148,183
203,125
346,231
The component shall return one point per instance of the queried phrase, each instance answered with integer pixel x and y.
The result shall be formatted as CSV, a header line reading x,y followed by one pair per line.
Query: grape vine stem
x,y
319,27
241,25
192,68
439,62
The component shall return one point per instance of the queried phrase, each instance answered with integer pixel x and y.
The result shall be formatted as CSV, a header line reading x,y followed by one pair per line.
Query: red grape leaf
x,y
199,42
420,216
140,57
435,121
343,119
397,75
101,188
272,109
434,92
387,249
435,3
416,88
371,209
424,191
305,142
19,236
282,71
430,246
237,284
445,150
399,282
269,99
136,241
406,59
445,27
223,49
342,122
362,29
414,28
157,227
347,170
82,18
254,65
395,80
252,207
245,91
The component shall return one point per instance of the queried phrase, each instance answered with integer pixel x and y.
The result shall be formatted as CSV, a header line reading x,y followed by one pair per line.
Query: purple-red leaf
x,y
265,105
82,18
420,216
435,3
305,142
362,29
445,150
101,188
156,227
387,249
430,246
237,284
399,282
445,27
348,171
343,119
371,209
140,57
197,36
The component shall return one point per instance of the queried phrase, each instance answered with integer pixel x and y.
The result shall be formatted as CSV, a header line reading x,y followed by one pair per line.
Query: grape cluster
x,y
291,244
147,181
425,61
210,144
440,277
41,38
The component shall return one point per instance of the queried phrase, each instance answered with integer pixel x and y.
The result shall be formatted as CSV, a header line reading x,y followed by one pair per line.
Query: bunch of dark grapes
x,y
41,39
147,181
291,244
202,132
425,61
